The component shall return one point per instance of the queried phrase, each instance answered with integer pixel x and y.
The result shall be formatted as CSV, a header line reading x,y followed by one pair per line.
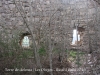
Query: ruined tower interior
x,y
49,37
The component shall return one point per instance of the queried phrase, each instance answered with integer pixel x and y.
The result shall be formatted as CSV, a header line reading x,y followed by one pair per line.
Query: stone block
x,y
12,6
0,3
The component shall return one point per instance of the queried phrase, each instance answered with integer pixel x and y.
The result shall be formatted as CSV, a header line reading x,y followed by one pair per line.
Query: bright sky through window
x,y
25,41
75,32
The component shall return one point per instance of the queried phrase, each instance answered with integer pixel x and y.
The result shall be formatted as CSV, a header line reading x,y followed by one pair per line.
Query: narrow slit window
x,y
25,42
76,37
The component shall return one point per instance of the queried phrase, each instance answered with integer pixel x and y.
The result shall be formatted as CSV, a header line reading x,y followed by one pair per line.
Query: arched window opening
x,y
25,42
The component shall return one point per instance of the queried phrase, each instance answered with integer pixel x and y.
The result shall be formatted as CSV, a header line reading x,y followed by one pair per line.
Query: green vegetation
x,y
26,54
56,50
73,56
78,63
42,51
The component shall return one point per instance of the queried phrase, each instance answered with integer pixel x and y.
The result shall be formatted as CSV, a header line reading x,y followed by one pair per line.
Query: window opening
x,y
76,37
78,34
25,42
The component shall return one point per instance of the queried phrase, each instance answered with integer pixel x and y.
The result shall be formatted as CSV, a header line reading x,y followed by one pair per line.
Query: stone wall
x,y
58,16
